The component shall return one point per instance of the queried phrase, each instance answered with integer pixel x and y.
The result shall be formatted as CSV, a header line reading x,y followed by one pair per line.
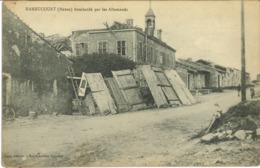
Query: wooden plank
x,y
129,87
157,69
151,80
124,74
70,77
162,79
117,95
133,94
184,87
177,88
171,95
166,87
163,85
100,93
90,103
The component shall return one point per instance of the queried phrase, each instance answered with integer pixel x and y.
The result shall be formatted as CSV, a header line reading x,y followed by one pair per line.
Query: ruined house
x,y
37,69
200,76
126,40
62,44
220,78
204,74
227,76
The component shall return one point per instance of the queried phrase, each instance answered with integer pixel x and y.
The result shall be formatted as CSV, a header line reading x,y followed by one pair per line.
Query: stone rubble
x,y
230,135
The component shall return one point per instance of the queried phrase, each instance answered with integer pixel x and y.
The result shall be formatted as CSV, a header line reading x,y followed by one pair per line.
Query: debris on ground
x,y
240,122
32,115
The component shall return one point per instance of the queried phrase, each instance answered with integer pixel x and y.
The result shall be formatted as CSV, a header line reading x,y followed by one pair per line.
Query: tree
x,y
104,64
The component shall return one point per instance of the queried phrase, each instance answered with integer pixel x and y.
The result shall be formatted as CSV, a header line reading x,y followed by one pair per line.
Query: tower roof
x,y
150,12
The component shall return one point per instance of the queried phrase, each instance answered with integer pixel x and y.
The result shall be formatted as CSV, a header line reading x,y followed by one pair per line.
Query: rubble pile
x,y
230,135
240,122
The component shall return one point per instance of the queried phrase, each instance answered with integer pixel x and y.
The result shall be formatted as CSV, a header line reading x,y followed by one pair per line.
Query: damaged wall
x,y
32,60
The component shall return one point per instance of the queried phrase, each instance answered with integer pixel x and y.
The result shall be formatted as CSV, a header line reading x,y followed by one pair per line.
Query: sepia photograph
x,y
130,83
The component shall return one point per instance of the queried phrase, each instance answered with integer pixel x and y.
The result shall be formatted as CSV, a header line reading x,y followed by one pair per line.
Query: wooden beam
x,y
163,85
129,87
71,77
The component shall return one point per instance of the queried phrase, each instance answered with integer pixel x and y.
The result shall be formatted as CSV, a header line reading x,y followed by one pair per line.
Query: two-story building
x,y
125,40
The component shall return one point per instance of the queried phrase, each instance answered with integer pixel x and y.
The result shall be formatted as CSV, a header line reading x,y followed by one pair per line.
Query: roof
x,y
196,65
149,12
117,26
216,66
34,32
189,68
204,62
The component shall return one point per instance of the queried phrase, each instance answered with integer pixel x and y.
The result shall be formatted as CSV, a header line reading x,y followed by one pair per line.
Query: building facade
x,y
35,68
125,40
204,74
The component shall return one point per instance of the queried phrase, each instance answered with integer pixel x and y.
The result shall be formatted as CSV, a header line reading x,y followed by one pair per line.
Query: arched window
x,y
149,22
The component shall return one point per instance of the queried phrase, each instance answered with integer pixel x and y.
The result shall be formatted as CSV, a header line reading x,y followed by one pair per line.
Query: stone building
x,y
35,67
126,40
204,74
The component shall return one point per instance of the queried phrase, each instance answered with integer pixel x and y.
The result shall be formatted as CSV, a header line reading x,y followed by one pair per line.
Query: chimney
x,y
159,34
130,22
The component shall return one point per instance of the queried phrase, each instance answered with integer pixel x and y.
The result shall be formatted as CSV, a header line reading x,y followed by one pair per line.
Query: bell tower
x,y
150,21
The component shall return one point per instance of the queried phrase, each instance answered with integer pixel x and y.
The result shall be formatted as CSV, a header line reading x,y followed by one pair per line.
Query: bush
x,y
104,64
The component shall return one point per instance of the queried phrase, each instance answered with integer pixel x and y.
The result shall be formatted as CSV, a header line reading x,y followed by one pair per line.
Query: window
x,y
81,48
162,58
28,39
77,49
140,52
121,48
155,55
102,47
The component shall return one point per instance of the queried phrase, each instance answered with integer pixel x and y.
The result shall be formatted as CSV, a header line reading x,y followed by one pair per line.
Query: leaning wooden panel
x,y
171,96
166,87
156,91
100,93
176,86
129,88
162,80
184,87
117,95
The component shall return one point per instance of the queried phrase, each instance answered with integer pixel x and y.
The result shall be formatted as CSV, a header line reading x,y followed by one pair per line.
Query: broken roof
x,y
117,26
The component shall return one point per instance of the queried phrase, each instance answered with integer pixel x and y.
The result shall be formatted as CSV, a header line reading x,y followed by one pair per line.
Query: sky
x,y
209,30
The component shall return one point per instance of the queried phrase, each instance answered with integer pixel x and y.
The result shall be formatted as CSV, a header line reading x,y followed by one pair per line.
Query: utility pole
x,y
243,59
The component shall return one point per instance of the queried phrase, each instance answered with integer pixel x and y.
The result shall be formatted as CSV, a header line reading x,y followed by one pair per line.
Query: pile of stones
x,y
231,135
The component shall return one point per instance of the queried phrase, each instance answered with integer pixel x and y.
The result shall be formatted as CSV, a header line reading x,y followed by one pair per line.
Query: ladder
x,y
74,83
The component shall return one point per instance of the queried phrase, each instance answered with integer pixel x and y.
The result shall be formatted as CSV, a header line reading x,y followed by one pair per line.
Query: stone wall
x,y
27,58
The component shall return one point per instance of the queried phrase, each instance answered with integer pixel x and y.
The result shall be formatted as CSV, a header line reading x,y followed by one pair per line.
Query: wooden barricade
x,y
130,90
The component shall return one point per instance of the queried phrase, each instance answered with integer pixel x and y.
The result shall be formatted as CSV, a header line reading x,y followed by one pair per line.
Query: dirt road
x,y
158,137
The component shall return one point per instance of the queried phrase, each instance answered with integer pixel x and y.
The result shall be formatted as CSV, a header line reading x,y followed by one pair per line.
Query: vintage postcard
x,y
130,83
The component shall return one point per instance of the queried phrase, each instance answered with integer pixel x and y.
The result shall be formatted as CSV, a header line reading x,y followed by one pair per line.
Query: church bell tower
x,y
150,22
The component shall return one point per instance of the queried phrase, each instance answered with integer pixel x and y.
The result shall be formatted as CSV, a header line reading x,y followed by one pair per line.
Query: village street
x,y
157,137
